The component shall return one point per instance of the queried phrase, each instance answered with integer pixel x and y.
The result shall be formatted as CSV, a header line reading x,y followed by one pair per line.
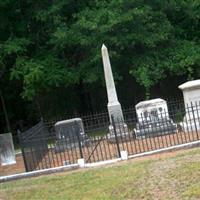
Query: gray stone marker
x,y
7,152
114,107
191,95
153,119
69,133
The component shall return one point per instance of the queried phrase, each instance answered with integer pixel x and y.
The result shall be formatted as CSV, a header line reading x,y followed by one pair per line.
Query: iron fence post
x,y
79,142
194,120
116,138
23,154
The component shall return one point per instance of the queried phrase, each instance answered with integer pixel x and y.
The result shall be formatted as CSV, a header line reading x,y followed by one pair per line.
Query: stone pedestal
x,y
121,132
115,110
191,95
153,119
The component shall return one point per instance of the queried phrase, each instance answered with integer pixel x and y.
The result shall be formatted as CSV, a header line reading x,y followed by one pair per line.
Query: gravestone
x,y
191,95
7,152
69,133
153,119
114,107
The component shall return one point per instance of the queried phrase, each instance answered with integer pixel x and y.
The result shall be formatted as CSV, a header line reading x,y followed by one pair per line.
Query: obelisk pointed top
x,y
103,47
110,85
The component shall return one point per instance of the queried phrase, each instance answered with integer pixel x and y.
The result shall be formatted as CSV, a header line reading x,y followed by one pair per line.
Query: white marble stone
x,y
7,152
151,109
114,107
191,95
191,92
153,118
81,162
124,155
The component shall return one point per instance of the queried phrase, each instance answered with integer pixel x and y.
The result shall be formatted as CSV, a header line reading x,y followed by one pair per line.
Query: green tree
x,y
52,46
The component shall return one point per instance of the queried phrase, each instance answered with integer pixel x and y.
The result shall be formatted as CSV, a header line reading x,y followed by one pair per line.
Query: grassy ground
x,y
168,177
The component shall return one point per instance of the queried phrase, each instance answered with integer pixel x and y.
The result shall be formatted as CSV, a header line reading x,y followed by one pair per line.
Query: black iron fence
x,y
96,123
34,145
104,140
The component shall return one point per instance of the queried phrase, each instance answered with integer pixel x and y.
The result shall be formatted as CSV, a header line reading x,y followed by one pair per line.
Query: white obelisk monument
x,y
114,107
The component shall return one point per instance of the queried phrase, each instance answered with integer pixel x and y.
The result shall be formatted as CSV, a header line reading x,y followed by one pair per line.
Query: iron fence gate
x,y
34,145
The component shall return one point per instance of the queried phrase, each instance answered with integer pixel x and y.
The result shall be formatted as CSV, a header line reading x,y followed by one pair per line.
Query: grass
x,y
175,177
101,132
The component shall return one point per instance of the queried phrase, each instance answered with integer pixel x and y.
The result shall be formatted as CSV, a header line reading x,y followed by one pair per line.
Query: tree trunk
x,y
5,112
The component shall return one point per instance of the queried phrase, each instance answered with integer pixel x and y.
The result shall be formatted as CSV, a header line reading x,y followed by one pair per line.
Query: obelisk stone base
x,y
115,110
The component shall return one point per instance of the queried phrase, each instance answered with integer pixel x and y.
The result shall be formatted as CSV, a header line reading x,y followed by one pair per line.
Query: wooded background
x,y
50,54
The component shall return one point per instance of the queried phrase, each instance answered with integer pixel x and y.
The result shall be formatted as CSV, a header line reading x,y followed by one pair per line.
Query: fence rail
x,y
104,140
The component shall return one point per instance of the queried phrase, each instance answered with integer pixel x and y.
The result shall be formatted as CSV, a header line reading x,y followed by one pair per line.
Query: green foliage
x,y
38,74
155,41
15,46
53,44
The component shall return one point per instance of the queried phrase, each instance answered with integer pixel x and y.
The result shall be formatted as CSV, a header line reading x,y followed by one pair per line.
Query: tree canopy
x,y
46,46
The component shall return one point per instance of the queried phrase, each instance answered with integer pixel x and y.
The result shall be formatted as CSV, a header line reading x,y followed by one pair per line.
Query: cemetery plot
x,y
69,142
102,149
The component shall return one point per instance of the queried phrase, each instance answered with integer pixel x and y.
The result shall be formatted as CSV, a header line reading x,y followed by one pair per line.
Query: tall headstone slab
x,y
191,95
69,133
7,152
114,107
153,119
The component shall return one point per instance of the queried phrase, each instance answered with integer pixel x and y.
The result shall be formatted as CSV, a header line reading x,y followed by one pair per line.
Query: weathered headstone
x,y
7,152
69,133
153,118
191,95
114,107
